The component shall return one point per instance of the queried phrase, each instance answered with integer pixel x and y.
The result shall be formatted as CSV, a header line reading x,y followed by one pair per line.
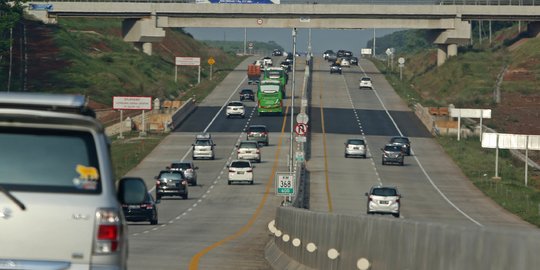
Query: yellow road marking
x,y
328,195
194,263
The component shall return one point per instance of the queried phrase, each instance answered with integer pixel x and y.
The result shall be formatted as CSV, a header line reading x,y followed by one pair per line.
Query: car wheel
x,y
185,197
365,156
154,221
213,157
396,215
401,163
383,163
251,182
266,144
346,156
158,197
229,182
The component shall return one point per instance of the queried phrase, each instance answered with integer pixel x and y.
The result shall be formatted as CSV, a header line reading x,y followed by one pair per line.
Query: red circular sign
x,y
300,129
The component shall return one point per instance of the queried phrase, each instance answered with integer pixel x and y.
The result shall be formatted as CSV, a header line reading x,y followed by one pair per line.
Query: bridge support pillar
x,y
533,29
449,39
441,54
142,32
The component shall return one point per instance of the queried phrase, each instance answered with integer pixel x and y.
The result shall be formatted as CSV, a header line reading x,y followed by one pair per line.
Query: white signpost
x,y
511,141
122,103
285,184
469,113
187,61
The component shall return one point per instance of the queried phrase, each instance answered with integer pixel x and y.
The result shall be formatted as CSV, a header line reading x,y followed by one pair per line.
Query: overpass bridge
x,y
449,21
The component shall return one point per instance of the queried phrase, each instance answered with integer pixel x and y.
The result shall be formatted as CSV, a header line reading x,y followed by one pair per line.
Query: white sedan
x,y
240,171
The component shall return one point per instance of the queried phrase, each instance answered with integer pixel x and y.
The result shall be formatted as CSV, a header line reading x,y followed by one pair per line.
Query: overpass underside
x,y
144,21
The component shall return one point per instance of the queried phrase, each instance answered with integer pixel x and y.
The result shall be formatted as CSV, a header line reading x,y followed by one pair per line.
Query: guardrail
x,y
314,240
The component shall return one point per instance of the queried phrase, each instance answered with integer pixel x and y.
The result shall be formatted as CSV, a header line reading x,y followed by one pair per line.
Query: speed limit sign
x,y
284,184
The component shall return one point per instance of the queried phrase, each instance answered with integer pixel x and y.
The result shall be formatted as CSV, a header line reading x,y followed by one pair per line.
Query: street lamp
x,y
292,100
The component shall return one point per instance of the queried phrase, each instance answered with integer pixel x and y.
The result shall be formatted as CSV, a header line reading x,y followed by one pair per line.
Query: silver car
x,y
203,147
383,200
188,168
58,201
249,150
355,148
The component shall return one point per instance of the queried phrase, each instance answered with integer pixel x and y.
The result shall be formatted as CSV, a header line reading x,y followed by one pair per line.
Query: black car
x,y
138,212
247,94
353,60
392,153
335,68
171,183
404,142
277,52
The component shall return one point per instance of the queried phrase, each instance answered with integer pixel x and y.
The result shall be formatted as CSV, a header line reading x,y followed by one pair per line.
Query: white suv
x,y
383,200
203,147
240,171
235,108
365,82
59,205
249,150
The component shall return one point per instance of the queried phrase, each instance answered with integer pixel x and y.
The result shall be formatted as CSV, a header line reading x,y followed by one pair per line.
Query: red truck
x,y
254,74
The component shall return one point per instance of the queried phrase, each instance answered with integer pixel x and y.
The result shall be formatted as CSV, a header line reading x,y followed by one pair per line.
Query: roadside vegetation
x,y
469,80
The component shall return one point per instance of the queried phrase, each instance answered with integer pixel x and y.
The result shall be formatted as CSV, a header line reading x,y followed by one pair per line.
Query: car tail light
x,y
238,151
250,170
398,199
231,170
147,205
109,231
257,151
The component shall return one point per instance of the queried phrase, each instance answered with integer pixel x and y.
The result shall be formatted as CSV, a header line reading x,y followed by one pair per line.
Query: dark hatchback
x,y
137,211
335,68
404,142
247,94
171,183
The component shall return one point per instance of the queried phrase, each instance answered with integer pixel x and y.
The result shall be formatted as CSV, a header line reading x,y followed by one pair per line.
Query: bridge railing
x,y
349,2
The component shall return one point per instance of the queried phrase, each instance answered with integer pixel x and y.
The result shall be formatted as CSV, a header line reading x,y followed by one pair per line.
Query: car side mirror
x,y
366,194
196,168
132,190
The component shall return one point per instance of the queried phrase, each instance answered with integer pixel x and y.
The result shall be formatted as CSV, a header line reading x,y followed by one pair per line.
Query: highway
x,y
225,227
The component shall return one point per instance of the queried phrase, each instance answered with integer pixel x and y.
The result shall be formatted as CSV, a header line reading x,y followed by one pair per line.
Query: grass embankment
x,y
468,80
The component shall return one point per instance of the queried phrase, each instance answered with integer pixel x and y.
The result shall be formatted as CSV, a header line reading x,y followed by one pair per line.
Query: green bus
x,y
277,73
270,97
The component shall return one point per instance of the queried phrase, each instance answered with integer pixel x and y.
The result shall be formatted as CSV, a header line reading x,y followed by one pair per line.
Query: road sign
x,y
250,45
211,60
301,139
300,129
132,103
302,118
388,52
188,61
285,184
401,60
299,156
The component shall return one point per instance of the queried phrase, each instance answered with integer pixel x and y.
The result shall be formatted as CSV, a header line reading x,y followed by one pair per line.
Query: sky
x,y
321,39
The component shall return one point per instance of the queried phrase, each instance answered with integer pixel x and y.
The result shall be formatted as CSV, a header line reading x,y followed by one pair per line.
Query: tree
x,y
10,14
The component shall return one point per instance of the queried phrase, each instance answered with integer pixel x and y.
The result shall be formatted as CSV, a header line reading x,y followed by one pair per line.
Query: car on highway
x,y
142,211
240,171
327,53
404,142
287,66
60,206
247,94
235,108
344,62
203,147
267,61
353,60
383,200
258,133
365,82
248,150
188,168
277,52
335,68
392,153
171,183
355,148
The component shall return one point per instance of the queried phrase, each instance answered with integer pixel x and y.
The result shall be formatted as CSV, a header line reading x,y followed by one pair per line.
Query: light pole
x,y
292,101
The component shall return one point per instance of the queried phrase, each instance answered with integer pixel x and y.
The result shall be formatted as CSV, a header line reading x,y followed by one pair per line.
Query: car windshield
x,y
356,142
248,145
257,129
181,166
170,175
202,143
49,160
246,91
366,79
392,148
384,192
235,104
240,164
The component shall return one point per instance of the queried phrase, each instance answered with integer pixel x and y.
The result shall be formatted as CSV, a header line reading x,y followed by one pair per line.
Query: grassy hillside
x,y
88,56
